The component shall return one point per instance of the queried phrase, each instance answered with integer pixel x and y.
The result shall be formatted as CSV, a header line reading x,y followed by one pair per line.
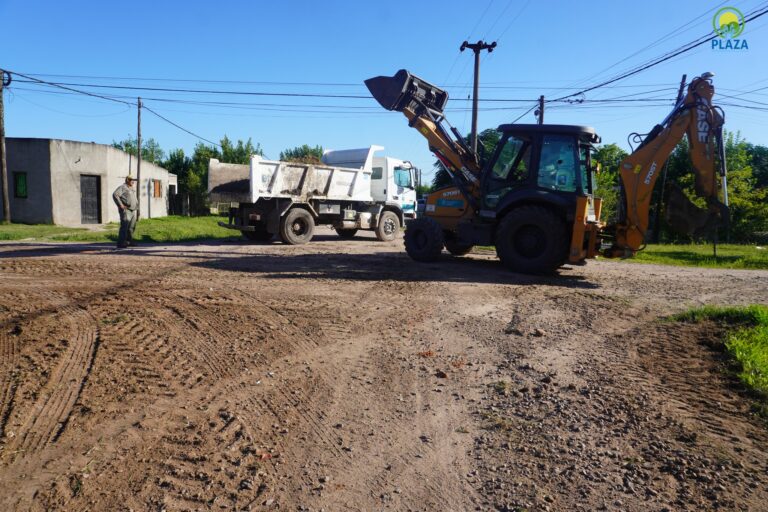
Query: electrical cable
x,y
658,60
179,127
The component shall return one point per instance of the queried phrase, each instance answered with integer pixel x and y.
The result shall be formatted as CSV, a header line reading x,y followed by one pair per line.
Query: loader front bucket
x,y
406,91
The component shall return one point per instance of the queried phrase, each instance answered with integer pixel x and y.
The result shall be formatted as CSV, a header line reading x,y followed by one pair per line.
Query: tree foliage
x,y
192,172
304,154
150,149
607,187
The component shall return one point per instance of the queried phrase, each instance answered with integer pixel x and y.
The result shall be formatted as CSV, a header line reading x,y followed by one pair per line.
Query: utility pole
x,y
138,165
540,112
657,220
477,48
5,81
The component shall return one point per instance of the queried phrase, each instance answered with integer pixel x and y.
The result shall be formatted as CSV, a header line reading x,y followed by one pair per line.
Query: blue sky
x,y
329,48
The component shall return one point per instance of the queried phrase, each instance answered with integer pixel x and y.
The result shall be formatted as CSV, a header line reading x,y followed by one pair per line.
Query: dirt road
x,y
343,376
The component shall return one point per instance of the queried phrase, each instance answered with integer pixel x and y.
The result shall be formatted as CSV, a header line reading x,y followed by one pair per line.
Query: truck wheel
x,y
346,233
389,226
532,240
297,227
455,248
424,239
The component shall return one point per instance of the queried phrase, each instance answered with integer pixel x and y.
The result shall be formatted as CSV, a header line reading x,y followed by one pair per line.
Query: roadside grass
x,y
735,256
36,231
701,255
160,230
746,342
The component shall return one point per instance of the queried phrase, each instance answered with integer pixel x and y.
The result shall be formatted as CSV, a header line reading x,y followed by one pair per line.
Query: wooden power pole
x,y
138,164
477,48
540,111
5,80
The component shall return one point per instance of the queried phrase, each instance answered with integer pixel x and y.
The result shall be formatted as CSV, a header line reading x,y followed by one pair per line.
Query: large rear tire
x,y
532,240
388,227
297,227
424,239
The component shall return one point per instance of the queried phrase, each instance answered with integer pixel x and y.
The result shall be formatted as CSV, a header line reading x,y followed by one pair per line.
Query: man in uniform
x,y
125,199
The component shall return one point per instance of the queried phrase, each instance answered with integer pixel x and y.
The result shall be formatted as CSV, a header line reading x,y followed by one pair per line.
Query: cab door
x,y
510,170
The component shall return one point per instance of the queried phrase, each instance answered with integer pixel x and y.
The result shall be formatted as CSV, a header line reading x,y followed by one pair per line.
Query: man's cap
x,y
130,178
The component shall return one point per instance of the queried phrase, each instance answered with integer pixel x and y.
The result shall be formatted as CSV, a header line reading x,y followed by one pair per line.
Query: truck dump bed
x,y
302,182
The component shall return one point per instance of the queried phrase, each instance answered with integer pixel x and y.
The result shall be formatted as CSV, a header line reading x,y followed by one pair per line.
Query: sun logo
x,y
728,22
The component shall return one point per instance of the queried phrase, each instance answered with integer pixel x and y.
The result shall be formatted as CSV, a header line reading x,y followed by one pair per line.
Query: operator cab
x,y
538,161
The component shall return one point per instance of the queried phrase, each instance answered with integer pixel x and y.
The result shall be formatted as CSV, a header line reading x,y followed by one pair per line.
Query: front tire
x,y
424,239
388,227
532,240
297,227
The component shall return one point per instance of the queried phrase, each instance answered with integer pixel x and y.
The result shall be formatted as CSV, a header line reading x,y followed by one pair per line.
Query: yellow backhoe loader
x,y
534,197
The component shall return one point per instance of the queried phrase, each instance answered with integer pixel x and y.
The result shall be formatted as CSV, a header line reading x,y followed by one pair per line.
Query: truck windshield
x,y
403,177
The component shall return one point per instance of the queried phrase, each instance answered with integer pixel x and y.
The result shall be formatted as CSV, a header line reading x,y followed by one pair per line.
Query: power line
x,y
197,91
658,60
180,127
62,86
525,113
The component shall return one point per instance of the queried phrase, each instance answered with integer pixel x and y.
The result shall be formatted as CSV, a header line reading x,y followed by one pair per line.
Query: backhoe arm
x,y
423,103
694,116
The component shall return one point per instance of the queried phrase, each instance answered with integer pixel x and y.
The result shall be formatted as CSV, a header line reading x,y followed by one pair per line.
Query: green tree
x,y
748,200
192,171
150,149
304,154
239,153
759,162
609,156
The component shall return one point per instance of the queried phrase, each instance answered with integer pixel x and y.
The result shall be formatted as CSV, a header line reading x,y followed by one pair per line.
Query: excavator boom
x,y
695,116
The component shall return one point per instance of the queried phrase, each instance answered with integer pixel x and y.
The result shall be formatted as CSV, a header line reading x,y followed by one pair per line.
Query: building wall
x,y
120,165
228,182
31,156
70,160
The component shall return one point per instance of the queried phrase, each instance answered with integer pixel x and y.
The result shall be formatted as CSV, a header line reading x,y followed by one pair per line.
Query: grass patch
x,y
696,255
746,340
699,255
35,231
161,230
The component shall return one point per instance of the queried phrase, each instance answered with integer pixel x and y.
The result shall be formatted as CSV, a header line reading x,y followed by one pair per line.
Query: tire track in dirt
x,y
9,357
48,417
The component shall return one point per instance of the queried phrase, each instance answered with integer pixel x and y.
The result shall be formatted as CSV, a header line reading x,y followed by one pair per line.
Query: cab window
x,y
377,173
402,177
513,161
584,161
557,165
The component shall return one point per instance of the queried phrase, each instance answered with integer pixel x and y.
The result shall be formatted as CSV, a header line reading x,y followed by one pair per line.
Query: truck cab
x,y
393,181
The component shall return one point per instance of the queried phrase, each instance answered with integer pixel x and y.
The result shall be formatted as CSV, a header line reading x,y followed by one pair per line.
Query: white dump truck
x,y
350,190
